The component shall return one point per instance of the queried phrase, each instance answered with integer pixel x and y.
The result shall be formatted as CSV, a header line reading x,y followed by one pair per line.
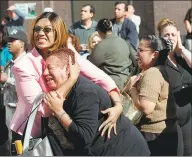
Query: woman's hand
x,y
132,82
113,115
55,102
179,45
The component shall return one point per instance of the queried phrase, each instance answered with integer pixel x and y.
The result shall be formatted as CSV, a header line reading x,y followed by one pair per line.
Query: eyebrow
x,y
45,26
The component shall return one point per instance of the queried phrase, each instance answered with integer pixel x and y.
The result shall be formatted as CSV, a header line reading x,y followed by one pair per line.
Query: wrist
x,y
73,79
61,115
119,105
59,112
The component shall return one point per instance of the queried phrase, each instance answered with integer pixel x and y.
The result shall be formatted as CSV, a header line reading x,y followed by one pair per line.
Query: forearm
x,y
64,119
187,56
115,97
65,88
95,74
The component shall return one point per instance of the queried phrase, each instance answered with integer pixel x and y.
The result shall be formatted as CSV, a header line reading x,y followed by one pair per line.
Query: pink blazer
x,y
29,82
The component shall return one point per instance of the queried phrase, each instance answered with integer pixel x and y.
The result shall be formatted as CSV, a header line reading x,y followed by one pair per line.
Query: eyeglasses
x,y
46,30
141,50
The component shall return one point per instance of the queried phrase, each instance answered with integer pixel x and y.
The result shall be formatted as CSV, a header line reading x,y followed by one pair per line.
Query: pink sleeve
x,y
93,73
28,87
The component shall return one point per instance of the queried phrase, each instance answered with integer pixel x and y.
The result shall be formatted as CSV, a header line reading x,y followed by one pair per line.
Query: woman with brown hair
x,y
49,34
179,69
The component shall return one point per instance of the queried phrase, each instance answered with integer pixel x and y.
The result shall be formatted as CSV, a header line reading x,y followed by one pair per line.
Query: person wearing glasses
x,y
48,34
77,118
152,96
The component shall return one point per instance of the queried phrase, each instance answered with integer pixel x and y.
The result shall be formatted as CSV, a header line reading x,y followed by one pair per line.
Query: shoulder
x,y
83,85
76,24
95,23
129,23
153,72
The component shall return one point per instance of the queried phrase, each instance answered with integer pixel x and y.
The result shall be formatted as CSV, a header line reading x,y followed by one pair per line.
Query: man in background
x,y
124,27
135,18
85,27
16,21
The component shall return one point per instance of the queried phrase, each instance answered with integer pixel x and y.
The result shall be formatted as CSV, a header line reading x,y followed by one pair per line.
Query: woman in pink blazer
x,y
49,33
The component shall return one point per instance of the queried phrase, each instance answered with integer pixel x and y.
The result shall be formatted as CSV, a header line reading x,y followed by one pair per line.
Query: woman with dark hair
x,y
188,26
151,96
112,54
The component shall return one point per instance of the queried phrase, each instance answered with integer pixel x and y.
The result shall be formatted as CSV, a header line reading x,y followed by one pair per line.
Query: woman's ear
x,y
155,54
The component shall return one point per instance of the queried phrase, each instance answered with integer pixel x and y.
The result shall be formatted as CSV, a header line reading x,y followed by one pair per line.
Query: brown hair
x,y
164,23
63,55
75,42
61,34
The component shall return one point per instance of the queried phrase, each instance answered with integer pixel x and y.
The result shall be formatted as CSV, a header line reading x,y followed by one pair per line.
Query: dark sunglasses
x,y
37,29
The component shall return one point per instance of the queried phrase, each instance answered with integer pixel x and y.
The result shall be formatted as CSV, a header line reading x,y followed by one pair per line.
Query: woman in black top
x,y
74,129
179,68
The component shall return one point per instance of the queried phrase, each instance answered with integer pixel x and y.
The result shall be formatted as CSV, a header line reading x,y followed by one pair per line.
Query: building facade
x,y
150,11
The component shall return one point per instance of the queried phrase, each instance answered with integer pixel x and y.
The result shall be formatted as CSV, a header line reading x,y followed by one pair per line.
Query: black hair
x,y
3,30
187,16
104,25
160,44
121,2
92,8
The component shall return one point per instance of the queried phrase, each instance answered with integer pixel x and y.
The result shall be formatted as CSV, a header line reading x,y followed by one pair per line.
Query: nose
x,y
46,72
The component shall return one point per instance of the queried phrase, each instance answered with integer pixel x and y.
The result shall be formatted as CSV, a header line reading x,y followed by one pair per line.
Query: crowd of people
x,y
82,72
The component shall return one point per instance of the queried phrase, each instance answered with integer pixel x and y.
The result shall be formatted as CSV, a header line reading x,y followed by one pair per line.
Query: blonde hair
x,y
164,23
90,40
59,27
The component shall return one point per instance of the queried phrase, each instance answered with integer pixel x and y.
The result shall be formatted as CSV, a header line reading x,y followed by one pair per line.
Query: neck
x,y
152,64
16,55
43,53
107,34
119,20
87,23
171,57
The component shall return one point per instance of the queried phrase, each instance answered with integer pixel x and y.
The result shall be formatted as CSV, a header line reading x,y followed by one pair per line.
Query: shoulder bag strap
x,y
31,119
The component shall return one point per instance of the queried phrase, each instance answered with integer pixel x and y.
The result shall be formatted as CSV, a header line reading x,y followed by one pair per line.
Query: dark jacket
x,y
129,32
84,104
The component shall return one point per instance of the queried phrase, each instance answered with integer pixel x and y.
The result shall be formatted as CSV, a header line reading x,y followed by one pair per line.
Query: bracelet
x,y
60,116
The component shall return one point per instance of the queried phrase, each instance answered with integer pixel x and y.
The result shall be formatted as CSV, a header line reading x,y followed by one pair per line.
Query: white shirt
x,y
136,20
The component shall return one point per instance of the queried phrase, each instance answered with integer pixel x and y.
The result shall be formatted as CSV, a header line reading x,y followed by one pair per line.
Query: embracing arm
x,y
93,73
186,55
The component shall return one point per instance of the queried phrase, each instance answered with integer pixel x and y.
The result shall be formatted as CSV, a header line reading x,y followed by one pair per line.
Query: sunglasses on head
x,y
37,29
